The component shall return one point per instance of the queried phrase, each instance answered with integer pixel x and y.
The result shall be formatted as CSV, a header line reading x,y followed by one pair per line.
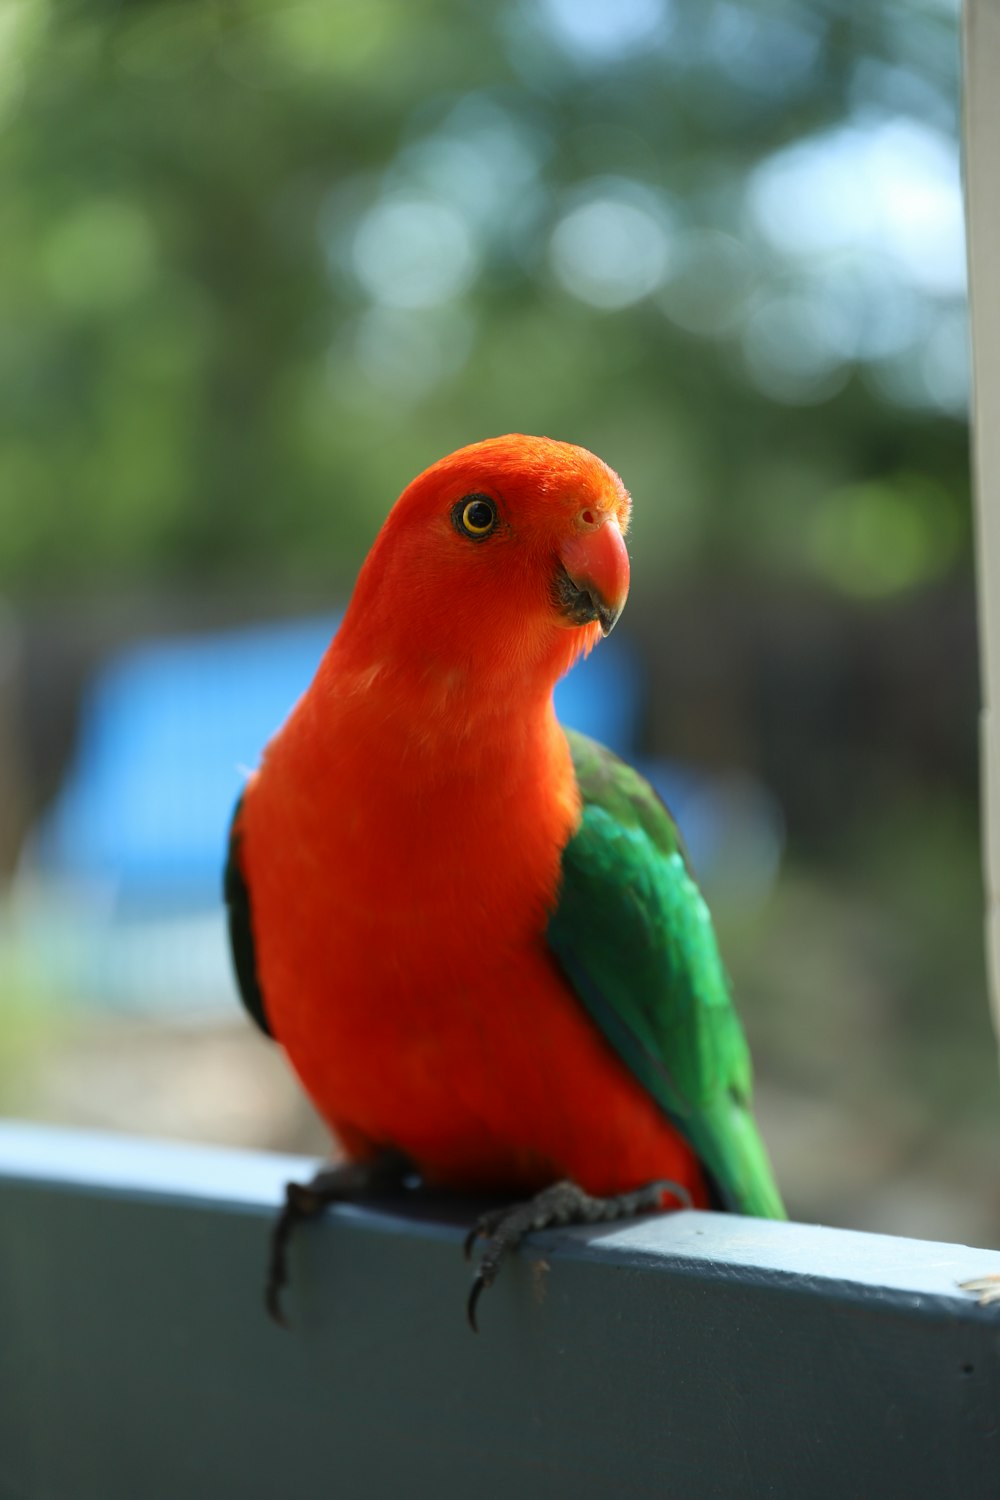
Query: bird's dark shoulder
x,y
612,787
237,898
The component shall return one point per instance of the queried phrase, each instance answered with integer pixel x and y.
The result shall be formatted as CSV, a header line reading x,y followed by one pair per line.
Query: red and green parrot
x,y
474,933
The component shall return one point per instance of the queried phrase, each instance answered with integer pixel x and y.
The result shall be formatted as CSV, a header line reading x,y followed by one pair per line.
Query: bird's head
x,y
508,556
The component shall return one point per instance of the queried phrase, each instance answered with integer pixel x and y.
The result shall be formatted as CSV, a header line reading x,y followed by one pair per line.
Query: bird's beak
x,y
592,580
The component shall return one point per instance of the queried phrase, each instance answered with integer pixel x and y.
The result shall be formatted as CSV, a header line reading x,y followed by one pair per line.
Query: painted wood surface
x,y
687,1356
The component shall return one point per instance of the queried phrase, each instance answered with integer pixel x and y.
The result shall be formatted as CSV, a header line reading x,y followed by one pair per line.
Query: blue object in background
x,y
119,900
169,730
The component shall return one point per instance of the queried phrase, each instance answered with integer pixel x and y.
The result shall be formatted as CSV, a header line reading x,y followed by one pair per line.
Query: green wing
x,y
633,935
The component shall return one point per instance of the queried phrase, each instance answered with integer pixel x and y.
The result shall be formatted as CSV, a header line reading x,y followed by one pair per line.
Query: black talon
x,y
561,1204
676,1191
479,1285
272,1301
277,1271
306,1200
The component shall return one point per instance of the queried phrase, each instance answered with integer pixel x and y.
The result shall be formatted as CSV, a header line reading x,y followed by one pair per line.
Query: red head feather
x,y
496,608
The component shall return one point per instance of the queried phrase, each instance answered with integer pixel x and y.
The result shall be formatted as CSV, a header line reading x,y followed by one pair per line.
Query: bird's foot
x,y
503,1229
306,1200
988,1288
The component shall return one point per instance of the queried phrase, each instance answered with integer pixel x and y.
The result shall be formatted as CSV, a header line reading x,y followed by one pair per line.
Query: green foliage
x,y
263,261
878,538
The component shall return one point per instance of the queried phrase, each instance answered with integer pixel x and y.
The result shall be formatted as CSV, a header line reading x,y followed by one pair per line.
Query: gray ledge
x,y
686,1355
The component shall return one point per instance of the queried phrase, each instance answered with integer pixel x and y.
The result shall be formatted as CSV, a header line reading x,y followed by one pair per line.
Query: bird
x,y
475,934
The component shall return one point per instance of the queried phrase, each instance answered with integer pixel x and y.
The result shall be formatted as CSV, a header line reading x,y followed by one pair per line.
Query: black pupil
x,y
479,515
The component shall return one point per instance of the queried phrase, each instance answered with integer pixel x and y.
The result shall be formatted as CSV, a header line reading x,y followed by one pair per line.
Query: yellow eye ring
x,y
476,516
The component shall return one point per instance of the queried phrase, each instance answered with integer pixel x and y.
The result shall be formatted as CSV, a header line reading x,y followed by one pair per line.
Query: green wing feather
x,y
633,935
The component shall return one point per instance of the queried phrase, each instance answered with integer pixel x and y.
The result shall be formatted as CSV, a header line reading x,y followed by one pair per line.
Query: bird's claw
x,y
306,1200
272,1301
563,1203
479,1284
487,1225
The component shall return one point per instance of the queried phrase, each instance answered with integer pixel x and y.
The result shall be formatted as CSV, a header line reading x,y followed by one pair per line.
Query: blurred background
x,y
261,263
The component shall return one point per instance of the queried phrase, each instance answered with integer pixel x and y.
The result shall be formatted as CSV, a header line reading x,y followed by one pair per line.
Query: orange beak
x,y
592,582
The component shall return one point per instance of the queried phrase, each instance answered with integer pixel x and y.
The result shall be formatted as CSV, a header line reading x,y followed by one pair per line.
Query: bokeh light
x,y
613,248
889,188
413,252
602,31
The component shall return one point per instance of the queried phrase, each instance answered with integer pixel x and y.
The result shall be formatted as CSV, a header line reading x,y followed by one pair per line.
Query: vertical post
x,y
982,210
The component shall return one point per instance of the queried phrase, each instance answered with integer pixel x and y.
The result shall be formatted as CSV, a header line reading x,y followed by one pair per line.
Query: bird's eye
x,y
476,515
